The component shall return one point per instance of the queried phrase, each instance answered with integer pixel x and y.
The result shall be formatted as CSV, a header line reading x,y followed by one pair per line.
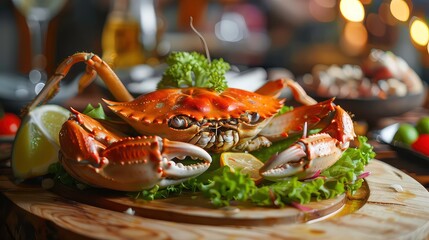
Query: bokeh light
x,y
354,38
352,10
400,10
231,28
419,32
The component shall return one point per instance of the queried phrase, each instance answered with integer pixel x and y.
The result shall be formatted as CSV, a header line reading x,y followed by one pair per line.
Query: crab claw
x,y
304,159
175,171
313,154
94,156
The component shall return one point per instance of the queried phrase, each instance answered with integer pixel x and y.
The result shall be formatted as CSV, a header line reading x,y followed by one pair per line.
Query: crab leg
x,y
312,154
291,122
274,88
95,65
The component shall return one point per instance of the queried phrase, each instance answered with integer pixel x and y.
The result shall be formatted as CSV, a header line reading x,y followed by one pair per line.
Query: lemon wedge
x,y
36,143
245,163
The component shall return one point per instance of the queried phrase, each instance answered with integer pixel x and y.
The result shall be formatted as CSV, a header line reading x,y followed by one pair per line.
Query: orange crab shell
x,y
150,113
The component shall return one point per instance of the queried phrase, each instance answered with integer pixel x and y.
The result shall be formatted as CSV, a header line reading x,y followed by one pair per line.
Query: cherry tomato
x,y
421,144
9,124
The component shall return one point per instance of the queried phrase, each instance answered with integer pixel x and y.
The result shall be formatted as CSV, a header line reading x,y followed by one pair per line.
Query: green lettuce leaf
x,y
95,112
222,186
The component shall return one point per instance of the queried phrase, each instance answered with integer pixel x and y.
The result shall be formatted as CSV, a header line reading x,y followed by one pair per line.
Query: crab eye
x,y
254,117
250,117
179,122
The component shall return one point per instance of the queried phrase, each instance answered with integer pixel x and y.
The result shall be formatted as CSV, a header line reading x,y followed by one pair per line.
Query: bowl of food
x,y
382,86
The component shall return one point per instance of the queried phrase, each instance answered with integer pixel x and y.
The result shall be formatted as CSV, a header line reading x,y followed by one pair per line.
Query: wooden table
x,y
31,212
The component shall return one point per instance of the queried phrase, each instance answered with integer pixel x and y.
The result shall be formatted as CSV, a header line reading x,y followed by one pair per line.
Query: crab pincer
x,y
312,154
95,156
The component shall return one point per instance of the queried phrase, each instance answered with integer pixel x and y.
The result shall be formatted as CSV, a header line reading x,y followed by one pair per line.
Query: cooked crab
x,y
174,123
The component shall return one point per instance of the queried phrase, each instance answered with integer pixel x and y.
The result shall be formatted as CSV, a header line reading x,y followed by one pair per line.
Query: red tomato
x,y
421,144
9,124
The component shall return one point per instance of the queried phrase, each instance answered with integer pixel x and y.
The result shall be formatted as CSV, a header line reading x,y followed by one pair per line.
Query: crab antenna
x,y
202,40
304,132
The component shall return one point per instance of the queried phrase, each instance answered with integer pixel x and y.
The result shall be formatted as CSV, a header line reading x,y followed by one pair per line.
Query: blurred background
x,y
287,34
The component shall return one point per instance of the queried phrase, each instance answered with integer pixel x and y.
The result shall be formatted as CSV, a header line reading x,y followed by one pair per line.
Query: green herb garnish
x,y
95,112
194,70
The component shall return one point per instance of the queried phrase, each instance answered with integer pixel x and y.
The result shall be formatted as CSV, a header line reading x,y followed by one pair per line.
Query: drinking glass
x,y
38,13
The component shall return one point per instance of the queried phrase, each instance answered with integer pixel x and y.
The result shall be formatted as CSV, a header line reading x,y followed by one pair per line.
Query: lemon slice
x,y
245,163
36,143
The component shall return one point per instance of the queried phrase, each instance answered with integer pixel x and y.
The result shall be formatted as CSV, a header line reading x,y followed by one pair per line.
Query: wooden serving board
x,y
377,212
195,209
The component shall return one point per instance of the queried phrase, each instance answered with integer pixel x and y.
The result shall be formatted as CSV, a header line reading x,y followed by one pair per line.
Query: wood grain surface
x,y
30,212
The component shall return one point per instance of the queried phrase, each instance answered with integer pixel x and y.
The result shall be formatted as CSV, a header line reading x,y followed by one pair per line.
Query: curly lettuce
x,y
192,69
223,187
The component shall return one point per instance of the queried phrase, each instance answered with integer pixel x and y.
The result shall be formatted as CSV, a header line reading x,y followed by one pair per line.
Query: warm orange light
x,y
354,37
419,32
352,10
355,34
400,10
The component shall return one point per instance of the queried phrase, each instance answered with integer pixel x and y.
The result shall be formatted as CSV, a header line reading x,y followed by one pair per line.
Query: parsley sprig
x,y
192,69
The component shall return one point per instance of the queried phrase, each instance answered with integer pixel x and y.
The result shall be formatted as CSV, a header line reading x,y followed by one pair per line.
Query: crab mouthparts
x,y
216,140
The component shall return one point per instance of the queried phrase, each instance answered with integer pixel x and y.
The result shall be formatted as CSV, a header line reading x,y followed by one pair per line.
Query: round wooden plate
x,y
196,209
378,211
